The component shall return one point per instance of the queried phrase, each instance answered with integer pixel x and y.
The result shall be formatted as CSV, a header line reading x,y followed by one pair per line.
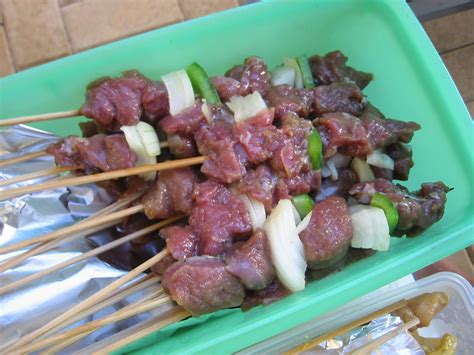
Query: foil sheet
x,y
26,309
402,344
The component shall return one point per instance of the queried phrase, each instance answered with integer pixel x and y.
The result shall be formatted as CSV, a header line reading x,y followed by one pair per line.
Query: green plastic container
x,y
411,83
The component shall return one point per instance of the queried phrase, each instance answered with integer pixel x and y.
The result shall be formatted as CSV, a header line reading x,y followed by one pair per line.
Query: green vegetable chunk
x,y
391,213
201,84
306,72
315,149
303,204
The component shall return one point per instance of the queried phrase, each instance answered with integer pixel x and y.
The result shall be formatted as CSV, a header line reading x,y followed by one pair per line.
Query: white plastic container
x,y
457,318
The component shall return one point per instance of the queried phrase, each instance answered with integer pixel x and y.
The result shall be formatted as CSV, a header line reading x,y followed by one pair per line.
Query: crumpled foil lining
x,y
402,344
28,216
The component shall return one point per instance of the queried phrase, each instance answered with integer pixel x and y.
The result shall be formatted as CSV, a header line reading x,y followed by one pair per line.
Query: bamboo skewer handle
x,y
91,253
176,315
38,118
70,340
81,180
24,157
83,306
78,227
124,313
37,174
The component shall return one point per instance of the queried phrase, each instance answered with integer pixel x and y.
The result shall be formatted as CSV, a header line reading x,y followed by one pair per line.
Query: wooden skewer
x,y
37,174
80,180
110,208
366,349
91,253
24,157
78,227
30,156
126,312
38,118
84,305
175,316
346,327
72,339
120,294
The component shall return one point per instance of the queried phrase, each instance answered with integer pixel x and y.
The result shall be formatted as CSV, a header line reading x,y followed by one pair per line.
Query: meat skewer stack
x,y
268,208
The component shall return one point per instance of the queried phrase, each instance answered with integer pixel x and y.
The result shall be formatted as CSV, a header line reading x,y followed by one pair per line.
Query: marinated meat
x,y
157,202
303,183
415,210
115,102
402,156
344,133
118,153
329,233
218,218
227,87
251,262
161,266
217,143
181,242
182,146
171,193
381,173
287,99
338,97
340,187
384,132
259,137
272,293
202,285
187,122
332,68
99,152
253,76
155,101
260,184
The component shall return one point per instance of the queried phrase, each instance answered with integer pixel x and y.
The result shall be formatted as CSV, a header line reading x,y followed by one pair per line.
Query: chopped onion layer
x,y
304,223
256,211
246,106
180,91
283,75
370,228
291,62
286,248
362,170
378,159
144,144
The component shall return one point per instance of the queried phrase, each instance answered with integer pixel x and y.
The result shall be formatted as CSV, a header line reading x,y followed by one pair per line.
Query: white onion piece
x,y
246,106
325,172
256,211
135,142
283,75
370,228
149,138
304,223
332,169
296,215
362,170
340,160
206,111
180,91
286,248
290,62
377,158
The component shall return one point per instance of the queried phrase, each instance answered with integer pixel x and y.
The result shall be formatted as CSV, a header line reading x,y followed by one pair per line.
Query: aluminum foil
x,y
28,308
402,344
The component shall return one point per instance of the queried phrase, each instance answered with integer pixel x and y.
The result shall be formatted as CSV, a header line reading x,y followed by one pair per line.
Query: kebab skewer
x,y
224,165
